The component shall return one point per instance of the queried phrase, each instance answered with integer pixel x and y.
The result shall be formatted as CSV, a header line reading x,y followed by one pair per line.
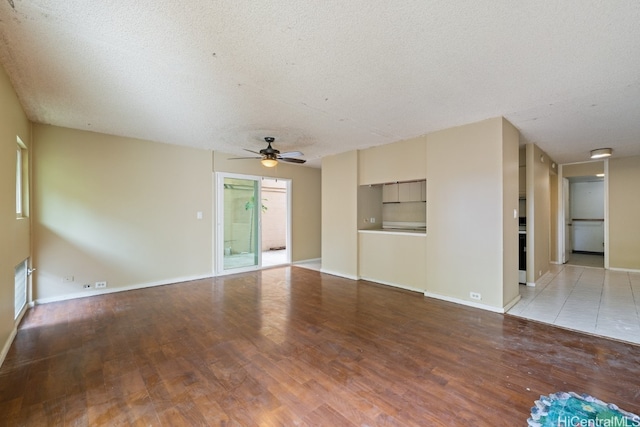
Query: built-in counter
x,y
395,231
393,257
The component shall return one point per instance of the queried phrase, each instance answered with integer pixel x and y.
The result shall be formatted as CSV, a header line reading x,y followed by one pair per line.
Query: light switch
x,y
372,220
199,215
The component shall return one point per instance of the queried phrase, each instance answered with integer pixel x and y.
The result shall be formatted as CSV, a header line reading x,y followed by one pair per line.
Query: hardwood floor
x,y
291,346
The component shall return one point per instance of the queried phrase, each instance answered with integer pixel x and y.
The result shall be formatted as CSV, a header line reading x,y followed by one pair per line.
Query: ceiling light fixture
x,y
269,161
599,153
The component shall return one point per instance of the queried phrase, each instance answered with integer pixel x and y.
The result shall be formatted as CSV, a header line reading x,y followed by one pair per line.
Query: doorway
x,y
253,223
586,207
584,196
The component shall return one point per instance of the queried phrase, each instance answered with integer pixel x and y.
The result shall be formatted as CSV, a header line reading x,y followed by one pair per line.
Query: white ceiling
x,y
325,77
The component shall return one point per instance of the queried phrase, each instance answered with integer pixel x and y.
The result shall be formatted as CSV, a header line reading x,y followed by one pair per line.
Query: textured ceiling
x,y
331,76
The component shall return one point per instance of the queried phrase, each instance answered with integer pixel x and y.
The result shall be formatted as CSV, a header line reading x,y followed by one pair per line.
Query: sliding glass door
x,y
253,222
239,225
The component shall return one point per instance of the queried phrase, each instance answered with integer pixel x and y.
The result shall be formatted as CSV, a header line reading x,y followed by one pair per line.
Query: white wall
x,y
587,212
587,199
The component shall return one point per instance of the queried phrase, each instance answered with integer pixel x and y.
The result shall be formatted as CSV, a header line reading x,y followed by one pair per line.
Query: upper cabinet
x,y
410,191
390,193
414,191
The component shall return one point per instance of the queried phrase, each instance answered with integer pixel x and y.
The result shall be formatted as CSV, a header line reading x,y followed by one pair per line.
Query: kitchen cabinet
x,y
409,192
390,193
415,191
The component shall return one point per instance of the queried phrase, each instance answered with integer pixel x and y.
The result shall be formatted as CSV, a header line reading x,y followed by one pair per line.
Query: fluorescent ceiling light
x,y
601,152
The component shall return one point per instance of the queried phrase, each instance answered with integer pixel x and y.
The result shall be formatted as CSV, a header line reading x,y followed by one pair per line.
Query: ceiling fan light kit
x,y
269,162
269,156
599,153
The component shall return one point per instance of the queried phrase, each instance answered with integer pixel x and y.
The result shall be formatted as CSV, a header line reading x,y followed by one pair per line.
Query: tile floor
x,y
593,300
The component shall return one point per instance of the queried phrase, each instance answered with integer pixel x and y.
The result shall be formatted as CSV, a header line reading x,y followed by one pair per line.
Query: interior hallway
x,y
587,299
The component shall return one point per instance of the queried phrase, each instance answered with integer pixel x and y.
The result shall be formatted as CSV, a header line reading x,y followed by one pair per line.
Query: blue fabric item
x,y
571,409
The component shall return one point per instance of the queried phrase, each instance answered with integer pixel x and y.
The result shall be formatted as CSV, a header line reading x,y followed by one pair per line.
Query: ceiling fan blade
x,y
251,151
243,158
292,160
291,154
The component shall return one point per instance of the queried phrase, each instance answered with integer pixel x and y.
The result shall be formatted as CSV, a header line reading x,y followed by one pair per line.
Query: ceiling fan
x,y
269,156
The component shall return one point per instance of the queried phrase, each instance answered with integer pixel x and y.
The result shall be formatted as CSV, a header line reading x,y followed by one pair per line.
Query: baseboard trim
x,y
335,273
626,270
12,335
464,302
511,303
77,295
395,285
304,261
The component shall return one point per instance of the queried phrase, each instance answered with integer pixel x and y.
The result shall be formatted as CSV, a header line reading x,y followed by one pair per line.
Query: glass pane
x,y
240,223
20,288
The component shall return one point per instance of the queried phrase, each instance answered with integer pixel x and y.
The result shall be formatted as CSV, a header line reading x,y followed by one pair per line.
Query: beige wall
x,y
116,209
510,194
624,213
538,212
339,214
466,204
15,244
370,206
125,210
393,259
400,161
305,198
583,169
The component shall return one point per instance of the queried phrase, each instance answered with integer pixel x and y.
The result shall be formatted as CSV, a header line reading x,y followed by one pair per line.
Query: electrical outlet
x,y
67,279
86,286
101,285
475,295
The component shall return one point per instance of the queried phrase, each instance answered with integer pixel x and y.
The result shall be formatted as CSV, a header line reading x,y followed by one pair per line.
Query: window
x,y
20,288
20,182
